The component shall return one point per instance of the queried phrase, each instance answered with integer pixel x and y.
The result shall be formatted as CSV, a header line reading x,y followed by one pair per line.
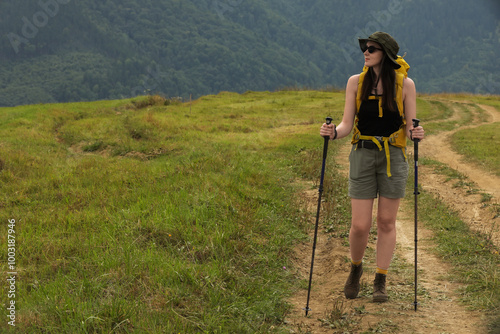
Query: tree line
x,y
65,50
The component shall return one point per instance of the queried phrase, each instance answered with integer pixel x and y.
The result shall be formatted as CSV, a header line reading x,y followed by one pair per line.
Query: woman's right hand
x,y
327,130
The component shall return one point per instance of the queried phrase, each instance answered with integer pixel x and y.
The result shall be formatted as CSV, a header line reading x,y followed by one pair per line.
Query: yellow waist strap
x,y
377,140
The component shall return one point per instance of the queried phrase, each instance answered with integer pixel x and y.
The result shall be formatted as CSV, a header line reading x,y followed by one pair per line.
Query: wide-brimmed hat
x,y
386,41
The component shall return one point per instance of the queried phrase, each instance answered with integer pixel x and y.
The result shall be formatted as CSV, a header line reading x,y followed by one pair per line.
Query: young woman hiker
x,y
380,104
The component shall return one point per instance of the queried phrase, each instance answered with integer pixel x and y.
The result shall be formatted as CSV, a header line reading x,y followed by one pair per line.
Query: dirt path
x,y
439,310
470,207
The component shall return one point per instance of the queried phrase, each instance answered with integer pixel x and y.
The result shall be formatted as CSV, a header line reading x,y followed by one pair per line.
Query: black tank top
x,y
370,124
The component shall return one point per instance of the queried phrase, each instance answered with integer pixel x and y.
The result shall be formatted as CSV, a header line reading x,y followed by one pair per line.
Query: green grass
x,y
490,100
430,109
479,145
148,215
473,256
167,218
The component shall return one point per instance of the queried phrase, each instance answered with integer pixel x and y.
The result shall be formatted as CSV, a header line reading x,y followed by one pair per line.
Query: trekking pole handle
x,y
327,138
328,122
415,141
416,121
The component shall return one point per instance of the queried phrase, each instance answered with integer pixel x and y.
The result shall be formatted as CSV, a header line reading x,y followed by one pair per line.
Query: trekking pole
x,y
416,192
320,191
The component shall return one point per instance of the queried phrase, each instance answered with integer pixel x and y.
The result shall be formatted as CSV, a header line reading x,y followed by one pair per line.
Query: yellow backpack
x,y
397,138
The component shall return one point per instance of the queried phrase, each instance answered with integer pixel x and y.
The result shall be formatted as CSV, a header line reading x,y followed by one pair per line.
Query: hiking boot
x,y
379,293
351,288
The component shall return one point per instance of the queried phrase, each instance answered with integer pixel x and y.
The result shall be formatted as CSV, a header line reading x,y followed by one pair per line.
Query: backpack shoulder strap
x,y
401,74
360,86
399,94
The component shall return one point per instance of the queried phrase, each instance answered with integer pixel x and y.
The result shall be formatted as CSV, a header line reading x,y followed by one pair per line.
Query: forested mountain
x,y
68,50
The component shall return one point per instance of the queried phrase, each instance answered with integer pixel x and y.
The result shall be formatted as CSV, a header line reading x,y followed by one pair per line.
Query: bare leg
x,y
386,230
358,239
360,227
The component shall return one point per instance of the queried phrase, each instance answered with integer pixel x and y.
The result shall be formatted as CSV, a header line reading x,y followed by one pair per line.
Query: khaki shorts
x,y
368,173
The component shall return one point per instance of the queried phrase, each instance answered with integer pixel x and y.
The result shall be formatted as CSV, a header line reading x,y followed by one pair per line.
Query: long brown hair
x,y
388,77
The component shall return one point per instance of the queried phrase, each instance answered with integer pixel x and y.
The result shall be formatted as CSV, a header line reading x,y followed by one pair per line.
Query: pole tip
x,y
307,309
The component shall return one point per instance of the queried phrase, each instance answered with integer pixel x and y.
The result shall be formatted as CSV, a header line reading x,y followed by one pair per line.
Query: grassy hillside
x,y
132,215
151,215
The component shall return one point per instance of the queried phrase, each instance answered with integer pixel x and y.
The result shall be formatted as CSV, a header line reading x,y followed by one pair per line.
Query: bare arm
x,y
345,126
410,105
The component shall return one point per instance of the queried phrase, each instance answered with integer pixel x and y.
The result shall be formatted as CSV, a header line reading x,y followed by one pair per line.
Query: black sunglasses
x,y
371,49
